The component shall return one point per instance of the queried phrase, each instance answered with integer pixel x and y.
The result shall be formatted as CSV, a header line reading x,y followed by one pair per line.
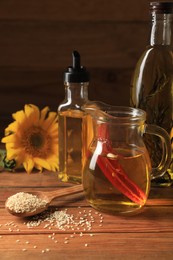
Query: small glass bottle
x,y
152,82
73,134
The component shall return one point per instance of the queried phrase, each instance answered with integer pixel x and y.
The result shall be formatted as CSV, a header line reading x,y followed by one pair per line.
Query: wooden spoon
x,y
47,196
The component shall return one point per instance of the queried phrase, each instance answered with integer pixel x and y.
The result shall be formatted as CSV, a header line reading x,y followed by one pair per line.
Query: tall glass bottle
x,y
72,122
152,82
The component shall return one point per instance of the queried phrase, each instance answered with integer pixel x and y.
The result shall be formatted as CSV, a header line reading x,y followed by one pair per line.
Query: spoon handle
x,y
65,191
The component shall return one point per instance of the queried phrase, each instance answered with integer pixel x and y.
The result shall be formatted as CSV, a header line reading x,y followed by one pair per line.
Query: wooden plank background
x,y
38,37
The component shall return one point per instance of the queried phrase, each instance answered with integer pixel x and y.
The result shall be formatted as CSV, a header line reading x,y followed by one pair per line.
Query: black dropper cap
x,y
161,7
76,73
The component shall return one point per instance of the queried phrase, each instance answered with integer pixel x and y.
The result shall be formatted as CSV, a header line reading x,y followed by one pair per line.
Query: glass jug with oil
x,y
117,171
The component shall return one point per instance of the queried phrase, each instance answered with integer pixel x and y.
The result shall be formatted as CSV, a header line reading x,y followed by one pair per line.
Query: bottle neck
x,y
161,29
76,92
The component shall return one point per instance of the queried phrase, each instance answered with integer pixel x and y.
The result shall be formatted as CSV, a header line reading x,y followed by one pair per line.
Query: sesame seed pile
x,y
22,202
56,222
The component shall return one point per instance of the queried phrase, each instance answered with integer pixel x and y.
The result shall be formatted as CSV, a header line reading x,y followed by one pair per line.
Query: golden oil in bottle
x,y
152,83
73,128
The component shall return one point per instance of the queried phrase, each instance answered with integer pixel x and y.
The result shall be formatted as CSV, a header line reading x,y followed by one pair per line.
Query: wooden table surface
x,y
148,235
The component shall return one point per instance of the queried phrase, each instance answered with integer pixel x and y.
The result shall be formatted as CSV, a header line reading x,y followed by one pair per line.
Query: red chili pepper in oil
x,y
113,170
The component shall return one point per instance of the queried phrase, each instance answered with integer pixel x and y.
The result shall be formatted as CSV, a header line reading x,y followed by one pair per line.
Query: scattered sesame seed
x,y
80,224
24,249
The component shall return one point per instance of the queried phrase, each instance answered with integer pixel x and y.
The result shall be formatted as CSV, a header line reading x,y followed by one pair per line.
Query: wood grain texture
x,y
38,37
74,10
148,235
48,84
50,44
100,247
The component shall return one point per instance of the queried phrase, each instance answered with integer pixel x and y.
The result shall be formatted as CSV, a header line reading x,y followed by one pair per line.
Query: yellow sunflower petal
x,y
54,128
44,112
43,163
11,153
50,120
9,146
19,116
8,139
28,165
17,154
53,162
28,110
38,167
54,166
11,128
34,113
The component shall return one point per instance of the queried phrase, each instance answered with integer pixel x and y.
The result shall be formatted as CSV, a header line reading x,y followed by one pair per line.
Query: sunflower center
x,y
36,140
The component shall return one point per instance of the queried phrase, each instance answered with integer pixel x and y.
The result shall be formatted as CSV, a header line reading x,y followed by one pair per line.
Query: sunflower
x,y
32,139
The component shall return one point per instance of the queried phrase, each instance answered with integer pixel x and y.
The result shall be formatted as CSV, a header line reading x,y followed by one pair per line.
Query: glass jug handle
x,y
166,149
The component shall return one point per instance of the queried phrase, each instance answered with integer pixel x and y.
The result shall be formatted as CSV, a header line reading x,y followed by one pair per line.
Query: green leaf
x,y
4,163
